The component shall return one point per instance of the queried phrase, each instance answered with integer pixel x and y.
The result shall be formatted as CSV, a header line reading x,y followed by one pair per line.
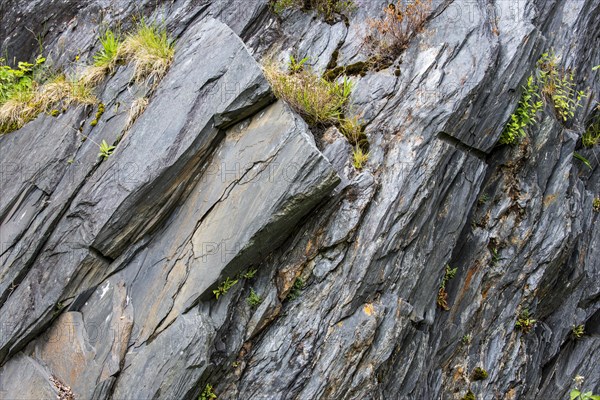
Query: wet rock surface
x,y
108,267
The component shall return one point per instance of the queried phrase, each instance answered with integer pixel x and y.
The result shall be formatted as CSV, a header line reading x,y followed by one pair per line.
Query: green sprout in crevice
x,y
578,331
208,393
524,322
442,297
550,84
296,289
106,150
224,287
253,299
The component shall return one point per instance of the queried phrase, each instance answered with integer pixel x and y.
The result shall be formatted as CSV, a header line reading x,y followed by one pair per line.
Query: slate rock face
x,y
108,267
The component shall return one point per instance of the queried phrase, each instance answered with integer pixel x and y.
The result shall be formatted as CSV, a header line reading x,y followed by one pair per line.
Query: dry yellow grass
x,y
137,108
25,106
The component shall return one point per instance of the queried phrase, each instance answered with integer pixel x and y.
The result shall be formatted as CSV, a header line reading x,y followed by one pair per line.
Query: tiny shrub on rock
x,y
389,35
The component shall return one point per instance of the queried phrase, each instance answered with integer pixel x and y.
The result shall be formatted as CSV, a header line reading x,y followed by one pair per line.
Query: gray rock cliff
x,y
108,267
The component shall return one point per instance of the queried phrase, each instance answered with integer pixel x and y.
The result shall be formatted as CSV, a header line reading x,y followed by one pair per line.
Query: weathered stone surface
x,y
214,179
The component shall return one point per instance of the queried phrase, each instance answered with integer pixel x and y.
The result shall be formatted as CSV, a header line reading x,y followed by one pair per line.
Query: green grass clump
x,y
33,98
325,8
317,100
108,55
150,49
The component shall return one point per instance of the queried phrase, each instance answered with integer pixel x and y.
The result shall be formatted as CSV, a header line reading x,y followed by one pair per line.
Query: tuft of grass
x,y
317,100
107,56
596,204
359,157
388,36
137,108
25,105
150,49
581,158
591,136
327,9
105,60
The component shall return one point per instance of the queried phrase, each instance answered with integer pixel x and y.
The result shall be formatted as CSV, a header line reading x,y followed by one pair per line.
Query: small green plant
x,y
596,204
578,394
325,8
253,299
467,339
558,86
479,374
208,393
591,136
250,273
584,160
524,115
296,66
105,150
150,49
469,396
224,287
359,157
15,82
442,298
525,323
495,256
296,289
578,331
484,198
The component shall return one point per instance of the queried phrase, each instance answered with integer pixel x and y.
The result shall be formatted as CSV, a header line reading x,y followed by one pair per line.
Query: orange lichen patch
x,y
458,374
286,278
471,271
549,199
485,291
511,394
369,309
